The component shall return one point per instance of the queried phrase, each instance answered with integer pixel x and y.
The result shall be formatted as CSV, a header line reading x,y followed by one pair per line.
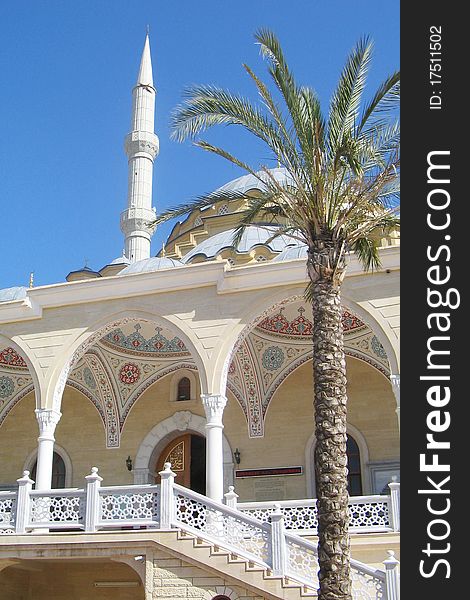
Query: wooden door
x,y
178,453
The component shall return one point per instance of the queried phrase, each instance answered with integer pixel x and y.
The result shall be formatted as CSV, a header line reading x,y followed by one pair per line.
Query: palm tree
x,y
339,195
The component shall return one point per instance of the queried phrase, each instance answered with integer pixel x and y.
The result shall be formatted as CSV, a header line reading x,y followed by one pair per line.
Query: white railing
x,y
366,513
269,541
8,503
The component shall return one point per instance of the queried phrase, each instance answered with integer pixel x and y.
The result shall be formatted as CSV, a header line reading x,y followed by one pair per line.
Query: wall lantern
x,y
129,463
236,456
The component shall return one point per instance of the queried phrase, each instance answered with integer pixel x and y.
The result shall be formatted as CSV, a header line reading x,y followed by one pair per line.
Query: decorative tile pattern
x,y
89,379
273,357
129,373
7,387
377,347
10,358
278,323
15,380
136,343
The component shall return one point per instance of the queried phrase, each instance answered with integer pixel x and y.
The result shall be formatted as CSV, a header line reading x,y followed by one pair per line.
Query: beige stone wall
x,y
289,427
53,580
175,579
18,438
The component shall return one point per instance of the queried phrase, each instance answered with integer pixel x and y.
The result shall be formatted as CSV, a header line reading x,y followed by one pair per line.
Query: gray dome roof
x,y
12,293
250,182
120,260
147,265
252,236
291,253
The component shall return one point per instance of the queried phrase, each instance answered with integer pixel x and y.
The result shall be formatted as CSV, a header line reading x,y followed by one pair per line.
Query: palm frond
x,y
345,102
386,98
198,203
367,251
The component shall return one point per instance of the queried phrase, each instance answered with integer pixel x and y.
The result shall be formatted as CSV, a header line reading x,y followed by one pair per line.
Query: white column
x,y
214,407
47,420
395,380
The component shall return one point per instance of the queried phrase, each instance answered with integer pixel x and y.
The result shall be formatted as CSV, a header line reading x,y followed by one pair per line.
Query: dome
x,y
147,265
120,260
292,252
12,293
252,236
250,182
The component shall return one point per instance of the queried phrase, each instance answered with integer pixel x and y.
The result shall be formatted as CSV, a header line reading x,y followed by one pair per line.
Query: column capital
x,y
214,405
47,420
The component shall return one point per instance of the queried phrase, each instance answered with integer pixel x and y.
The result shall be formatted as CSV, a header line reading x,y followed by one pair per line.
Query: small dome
x,y
250,182
292,252
252,236
120,260
12,293
155,263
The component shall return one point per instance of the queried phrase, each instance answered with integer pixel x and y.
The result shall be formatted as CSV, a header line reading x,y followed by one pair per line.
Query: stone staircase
x,y
235,568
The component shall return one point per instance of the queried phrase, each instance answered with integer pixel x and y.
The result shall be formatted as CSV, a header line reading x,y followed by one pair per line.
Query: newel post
x,y
167,497
25,485
92,514
278,542
231,497
392,579
395,504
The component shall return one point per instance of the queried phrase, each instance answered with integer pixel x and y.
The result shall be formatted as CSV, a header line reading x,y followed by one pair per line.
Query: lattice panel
x,y
125,507
7,512
57,509
190,512
363,515
373,514
302,562
367,587
229,529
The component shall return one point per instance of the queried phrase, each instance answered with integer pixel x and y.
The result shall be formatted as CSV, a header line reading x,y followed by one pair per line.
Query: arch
x,y
72,354
364,455
305,358
161,434
183,372
225,591
268,304
30,363
32,457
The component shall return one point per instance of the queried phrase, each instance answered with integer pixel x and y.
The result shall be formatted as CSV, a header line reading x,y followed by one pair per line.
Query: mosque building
x,y
199,357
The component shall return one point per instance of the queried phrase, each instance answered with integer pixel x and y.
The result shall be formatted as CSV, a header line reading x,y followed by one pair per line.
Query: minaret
x,y
141,146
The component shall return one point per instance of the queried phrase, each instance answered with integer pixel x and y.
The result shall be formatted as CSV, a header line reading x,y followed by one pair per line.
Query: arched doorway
x,y
187,455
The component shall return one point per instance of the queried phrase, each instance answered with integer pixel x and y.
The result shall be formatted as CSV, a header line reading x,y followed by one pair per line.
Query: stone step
x,y
195,549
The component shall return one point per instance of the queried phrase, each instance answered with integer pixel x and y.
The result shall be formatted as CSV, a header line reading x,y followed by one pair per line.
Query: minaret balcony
x,y
138,219
141,143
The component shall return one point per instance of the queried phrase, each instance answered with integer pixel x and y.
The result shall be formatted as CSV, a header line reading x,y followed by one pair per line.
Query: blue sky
x,y
67,69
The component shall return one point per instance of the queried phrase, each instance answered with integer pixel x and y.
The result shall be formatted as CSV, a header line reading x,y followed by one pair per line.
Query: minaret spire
x,y
141,146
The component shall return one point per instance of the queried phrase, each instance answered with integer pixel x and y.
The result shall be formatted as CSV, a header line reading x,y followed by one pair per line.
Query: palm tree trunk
x,y
330,401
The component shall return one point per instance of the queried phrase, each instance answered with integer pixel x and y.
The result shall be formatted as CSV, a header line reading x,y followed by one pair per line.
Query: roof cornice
x,y
220,274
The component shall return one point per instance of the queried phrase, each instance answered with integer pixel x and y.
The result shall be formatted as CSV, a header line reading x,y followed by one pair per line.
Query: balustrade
x,y
376,513
264,533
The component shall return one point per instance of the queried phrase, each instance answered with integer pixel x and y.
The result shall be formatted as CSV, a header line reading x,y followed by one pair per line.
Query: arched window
x,y
354,467
184,389
58,471
220,597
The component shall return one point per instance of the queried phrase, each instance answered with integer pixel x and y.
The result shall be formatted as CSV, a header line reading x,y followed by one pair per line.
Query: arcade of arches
x,y
138,374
